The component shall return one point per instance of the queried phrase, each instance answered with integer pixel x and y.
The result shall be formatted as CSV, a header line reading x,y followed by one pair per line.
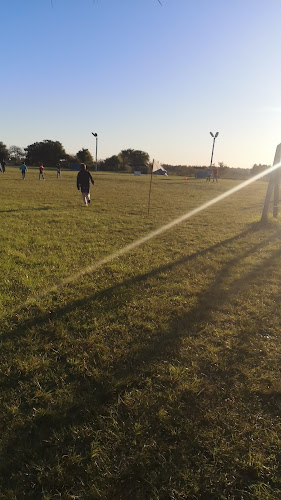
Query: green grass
x,y
155,376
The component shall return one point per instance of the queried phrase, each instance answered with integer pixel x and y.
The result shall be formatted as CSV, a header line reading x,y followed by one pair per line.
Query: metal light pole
x,y
214,138
96,136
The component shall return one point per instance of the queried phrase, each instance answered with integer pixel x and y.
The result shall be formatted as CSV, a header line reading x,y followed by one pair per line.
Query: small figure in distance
x,y
58,170
83,182
215,174
23,169
41,172
3,166
209,173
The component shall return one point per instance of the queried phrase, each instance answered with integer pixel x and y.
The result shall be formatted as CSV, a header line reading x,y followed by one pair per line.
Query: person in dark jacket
x,y
83,182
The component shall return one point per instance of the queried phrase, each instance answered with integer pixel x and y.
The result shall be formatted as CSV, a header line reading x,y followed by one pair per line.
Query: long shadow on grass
x,y
91,397
208,302
39,318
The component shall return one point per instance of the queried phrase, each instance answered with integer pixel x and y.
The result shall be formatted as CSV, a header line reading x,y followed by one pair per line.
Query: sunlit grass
x,y
157,375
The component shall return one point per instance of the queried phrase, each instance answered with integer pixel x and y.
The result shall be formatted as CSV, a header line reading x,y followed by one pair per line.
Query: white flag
x,y
156,166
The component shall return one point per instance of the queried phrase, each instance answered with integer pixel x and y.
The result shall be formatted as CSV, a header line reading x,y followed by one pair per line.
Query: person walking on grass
x,y
209,173
41,172
215,174
23,169
83,182
3,166
59,171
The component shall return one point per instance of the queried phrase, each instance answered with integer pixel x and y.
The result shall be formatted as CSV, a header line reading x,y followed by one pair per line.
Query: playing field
x,y
151,376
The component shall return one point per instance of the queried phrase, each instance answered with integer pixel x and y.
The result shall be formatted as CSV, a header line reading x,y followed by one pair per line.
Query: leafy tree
x,y
4,153
48,152
16,154
135,159
112,164
84,156
256,169
235,173
222,168
69,160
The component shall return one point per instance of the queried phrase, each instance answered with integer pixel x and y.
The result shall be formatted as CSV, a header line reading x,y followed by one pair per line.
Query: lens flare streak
x,y
132,246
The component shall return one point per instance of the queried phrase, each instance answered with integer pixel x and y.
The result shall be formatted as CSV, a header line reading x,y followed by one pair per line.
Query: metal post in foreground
x,y
273,186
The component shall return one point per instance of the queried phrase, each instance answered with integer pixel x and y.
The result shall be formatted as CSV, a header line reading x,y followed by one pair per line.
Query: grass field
x,y
155,376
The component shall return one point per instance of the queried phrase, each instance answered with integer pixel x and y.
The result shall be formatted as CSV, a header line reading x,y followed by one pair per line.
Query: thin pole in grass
x,y
150,185
157,168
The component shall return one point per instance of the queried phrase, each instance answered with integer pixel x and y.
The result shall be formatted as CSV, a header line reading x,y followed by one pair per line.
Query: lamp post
x,y
96,136
214,138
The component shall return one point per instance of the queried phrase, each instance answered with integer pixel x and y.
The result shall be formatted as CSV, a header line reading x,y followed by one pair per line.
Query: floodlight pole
x,y
96,136
214,139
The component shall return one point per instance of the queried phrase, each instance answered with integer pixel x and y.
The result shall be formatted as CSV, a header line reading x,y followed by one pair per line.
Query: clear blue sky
x,y
144,76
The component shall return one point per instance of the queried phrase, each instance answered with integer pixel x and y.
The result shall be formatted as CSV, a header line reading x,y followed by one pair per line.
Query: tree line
x,y
50,153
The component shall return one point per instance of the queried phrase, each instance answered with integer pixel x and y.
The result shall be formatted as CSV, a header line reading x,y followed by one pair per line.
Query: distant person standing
x,y
23,169
3,166
215,174
41,172
58,171
83,182
209,173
